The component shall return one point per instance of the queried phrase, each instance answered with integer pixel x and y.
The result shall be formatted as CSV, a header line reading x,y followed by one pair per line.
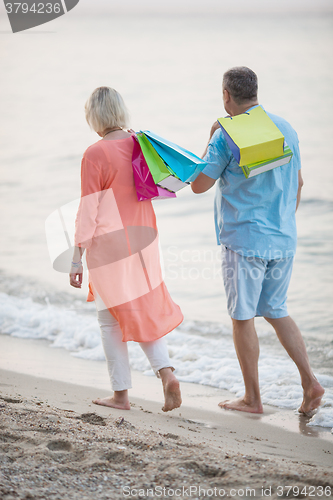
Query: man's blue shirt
x,y
255,216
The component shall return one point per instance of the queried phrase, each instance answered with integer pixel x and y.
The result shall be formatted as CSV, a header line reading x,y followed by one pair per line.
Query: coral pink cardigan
x,y
121,239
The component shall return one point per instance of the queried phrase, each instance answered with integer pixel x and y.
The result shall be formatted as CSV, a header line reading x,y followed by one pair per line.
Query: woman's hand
x,y
76,272
76,275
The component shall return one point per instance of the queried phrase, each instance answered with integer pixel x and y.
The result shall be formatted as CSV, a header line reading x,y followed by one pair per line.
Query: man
x,y
256,227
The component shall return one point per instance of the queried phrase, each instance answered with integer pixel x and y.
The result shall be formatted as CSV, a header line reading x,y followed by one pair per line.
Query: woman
x,y
121,239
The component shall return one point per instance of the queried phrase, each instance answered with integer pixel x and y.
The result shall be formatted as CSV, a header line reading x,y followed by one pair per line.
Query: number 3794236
x,y
310,491
35,8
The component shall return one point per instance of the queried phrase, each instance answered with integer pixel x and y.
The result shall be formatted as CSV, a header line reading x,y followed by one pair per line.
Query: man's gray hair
x,y
241,83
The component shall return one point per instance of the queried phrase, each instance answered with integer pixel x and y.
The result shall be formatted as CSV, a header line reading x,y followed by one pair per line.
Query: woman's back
x,y
107,164
121,238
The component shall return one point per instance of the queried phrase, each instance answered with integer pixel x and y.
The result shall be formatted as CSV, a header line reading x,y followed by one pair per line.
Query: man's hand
x,y
215,127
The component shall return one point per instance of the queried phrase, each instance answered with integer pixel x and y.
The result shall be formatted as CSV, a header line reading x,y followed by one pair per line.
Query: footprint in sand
x,y
203,469
7,437
59,446
169,435
92,418
115,457
11,400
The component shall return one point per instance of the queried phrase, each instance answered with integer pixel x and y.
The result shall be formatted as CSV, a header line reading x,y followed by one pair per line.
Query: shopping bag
x,y
263,166
144,182
184,164
146,188
164,194
161,173
252,136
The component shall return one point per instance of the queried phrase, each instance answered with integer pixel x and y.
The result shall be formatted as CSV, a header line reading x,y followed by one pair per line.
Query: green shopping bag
x,y
162,175
252,136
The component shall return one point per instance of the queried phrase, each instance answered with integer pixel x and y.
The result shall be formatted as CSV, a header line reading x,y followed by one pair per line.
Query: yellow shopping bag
x,y
252,136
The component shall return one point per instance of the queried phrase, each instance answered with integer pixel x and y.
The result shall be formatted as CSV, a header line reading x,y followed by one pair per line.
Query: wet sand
x,y
56,444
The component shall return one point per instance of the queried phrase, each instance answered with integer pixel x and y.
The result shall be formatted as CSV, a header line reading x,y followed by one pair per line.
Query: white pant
x,y
116,352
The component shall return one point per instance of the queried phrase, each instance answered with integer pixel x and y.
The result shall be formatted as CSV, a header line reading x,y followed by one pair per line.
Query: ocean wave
x,y
201,353
320,202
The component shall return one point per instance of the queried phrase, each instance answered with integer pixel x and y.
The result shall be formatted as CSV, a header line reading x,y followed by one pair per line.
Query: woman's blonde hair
x,y
105,109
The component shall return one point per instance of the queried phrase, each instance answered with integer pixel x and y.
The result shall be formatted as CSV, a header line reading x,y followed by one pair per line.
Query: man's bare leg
x,y
247,349
119,400
171,390
292,340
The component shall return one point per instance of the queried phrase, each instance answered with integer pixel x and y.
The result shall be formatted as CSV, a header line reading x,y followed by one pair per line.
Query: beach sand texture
x,y
55,444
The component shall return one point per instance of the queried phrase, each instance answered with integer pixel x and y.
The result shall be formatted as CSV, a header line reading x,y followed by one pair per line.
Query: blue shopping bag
x,y
184,164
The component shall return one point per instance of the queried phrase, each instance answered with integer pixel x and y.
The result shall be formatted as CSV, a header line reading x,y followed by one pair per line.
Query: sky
x,y
209,6
198,6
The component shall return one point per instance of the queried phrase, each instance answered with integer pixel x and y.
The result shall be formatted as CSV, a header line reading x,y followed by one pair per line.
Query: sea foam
x,y
201,353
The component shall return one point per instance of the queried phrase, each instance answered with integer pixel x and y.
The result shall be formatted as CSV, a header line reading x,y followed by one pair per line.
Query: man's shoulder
x,y
284,126
218,140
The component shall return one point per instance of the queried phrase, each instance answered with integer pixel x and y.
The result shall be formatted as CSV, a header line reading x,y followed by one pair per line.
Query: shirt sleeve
x,y
91,187
218,155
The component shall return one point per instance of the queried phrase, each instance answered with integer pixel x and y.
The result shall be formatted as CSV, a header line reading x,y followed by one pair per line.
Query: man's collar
x,y
252,107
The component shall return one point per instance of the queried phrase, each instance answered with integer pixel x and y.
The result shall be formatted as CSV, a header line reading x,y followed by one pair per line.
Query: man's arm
x,y
202,183
300,185
215,127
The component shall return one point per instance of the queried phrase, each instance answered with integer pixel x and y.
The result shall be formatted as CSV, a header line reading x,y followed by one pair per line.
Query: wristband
x,y
77,264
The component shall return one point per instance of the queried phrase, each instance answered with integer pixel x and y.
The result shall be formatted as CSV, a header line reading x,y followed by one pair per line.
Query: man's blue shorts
x,y
255,286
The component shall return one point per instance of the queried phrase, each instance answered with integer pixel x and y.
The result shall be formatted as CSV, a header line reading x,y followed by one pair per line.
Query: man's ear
x,y
226,96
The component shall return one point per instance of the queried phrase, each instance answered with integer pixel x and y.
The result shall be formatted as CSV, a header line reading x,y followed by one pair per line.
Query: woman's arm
x,y
85,222
76,272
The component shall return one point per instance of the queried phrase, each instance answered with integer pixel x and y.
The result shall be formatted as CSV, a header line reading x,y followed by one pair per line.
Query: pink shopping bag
x,y
146,188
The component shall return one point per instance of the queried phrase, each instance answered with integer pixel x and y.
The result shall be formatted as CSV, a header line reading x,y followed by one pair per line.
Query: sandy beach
x,y
56,444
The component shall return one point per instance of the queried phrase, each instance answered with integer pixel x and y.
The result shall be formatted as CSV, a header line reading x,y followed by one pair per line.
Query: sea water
x,y
168,68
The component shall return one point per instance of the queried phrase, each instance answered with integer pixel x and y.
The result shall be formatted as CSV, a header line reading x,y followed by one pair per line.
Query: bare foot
x,y
171,389
311,399
172,396
241,405
112,403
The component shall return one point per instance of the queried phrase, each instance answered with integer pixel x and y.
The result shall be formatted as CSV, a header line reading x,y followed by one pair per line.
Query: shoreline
x,y
56,444
36,358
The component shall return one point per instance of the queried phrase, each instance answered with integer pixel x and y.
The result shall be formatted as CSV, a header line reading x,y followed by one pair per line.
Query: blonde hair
x,y
105,109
